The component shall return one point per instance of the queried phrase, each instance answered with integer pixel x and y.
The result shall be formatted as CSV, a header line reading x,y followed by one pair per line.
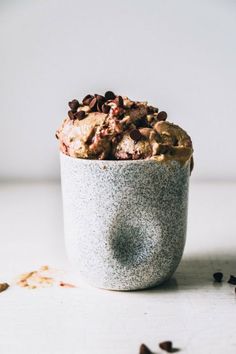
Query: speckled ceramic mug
x,y
125,221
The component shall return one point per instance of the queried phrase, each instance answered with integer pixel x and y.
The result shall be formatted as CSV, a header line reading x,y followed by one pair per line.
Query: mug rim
x,y
139,161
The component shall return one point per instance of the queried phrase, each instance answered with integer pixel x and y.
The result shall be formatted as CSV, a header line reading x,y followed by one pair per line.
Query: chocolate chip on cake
x,y
162,115
87,99
100,102
119,101
74,105
105,108
93,104
135,135
71,115
80,115
109,95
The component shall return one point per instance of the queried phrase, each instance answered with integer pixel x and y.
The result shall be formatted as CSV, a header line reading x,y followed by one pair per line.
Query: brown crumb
x,y
3,287
66,285
43,268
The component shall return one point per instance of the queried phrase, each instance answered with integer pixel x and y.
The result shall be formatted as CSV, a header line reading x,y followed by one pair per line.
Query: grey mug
x,y
125,221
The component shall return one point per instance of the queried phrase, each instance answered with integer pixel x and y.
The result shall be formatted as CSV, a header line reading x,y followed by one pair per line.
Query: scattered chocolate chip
x,y
144,349
105,108
135,135
80,115
232,280
87,99
93,104
57,137
162,115
167,346
218,276
3,286
74,105
119,101
109,95
71,115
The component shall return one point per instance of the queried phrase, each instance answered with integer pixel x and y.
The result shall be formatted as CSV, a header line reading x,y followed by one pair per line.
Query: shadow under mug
x,y
125,221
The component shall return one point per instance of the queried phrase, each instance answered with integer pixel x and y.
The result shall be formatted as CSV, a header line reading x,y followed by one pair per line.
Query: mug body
x,y
124,221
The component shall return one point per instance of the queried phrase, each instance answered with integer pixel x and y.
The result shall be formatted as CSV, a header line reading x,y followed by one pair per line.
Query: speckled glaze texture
x,y
125,221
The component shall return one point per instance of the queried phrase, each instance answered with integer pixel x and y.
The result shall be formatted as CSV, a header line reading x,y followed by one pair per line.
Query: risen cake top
x,y
113,127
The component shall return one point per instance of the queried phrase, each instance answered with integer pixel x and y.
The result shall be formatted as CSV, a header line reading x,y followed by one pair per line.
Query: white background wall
x,y
180,55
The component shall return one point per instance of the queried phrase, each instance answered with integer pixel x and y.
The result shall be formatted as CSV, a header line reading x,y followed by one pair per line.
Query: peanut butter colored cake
x,y
112,127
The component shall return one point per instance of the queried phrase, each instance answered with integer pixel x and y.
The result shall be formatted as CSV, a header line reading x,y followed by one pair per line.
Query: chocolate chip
x,y
109,95
167,346
74,105
218,276
80,115
99,97
142,122
100,102
144,349
71,115
162,115
93,104
232,280
57,137
3,286
87,99
135,135
151,110
105,108
119,101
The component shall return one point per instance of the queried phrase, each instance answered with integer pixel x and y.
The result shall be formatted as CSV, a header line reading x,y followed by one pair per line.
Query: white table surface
x,y
196,314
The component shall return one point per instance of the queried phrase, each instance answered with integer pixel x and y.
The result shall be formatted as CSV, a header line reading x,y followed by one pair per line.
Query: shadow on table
x,y
196,272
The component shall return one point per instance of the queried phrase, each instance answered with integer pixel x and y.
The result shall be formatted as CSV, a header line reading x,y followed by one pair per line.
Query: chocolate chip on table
x,y
144,349
218,276
119,101
87,99
3,286
167,346
109,95
162,115
71,115
74,105
93,104
80,115
135,135
232,280
105,108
